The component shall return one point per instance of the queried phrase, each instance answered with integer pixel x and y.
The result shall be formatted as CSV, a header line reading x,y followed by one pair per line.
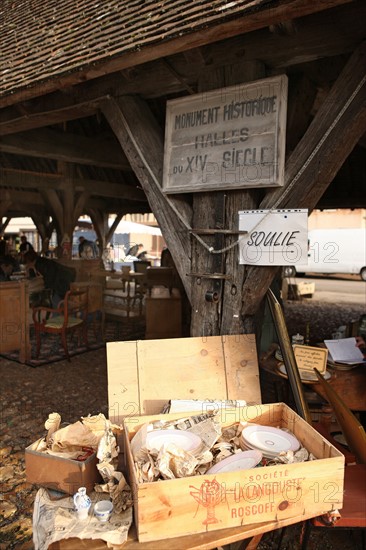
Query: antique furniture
x,y
353,513
70,316
96,315
349,384
14,318
163,313
122,293
159,276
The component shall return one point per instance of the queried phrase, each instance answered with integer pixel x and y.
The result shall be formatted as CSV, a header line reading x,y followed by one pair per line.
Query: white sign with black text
x,y
275,237
230,138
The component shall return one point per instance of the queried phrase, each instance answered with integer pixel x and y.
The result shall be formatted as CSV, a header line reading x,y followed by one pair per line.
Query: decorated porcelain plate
x,y
239,461
268,439
278,355
306,376
185,440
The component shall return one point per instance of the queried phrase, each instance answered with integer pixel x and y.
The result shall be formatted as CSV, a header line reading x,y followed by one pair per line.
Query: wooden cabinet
x,y
14,318
163,314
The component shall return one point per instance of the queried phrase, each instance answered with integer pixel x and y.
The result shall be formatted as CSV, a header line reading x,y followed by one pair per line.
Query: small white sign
x,y
275,237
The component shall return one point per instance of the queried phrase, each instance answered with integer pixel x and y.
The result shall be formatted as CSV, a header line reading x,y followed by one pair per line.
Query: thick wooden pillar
x,y
141,138
66,206
100,225
217,211
335,130
5,204
45,228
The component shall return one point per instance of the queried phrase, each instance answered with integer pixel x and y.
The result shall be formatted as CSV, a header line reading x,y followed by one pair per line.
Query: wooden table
x,y
202,541
124,295
350,385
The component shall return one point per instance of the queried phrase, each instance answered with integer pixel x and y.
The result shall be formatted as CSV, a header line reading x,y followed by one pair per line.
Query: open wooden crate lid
x,y
145,375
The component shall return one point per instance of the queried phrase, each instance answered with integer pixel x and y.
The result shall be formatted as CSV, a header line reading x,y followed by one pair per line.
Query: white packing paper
x,y
57,520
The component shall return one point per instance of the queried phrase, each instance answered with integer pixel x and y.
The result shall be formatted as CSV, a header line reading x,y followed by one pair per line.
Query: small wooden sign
x,y
308,358
231,138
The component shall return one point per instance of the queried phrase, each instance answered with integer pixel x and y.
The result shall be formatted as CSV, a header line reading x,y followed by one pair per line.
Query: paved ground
x,y
80,387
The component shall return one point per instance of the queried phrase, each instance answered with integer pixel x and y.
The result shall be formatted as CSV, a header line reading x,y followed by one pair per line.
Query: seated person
x,y
6,268
57,277
142,255
87,249
24,247
134,250
361,344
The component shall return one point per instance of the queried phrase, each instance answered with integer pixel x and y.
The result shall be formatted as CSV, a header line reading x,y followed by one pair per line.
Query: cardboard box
x,y
197,504
143,376
60,474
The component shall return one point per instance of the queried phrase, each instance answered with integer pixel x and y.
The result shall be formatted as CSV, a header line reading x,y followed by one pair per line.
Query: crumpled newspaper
x,y
171,462
74,440
114,482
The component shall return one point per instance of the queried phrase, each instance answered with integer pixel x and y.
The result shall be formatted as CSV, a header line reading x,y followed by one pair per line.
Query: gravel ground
x,y
78,388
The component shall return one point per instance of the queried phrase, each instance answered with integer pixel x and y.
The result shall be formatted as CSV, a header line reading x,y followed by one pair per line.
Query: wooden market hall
x,y
203,114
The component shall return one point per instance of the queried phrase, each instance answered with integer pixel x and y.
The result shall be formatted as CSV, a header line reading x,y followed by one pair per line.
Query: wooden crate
x,y
144,375
171,508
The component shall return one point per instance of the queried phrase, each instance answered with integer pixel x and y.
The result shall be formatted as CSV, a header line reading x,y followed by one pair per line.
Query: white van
x,y
334,251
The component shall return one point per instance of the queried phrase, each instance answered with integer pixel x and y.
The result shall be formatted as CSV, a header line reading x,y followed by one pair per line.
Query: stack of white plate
x,y
187,441
270,441
305,375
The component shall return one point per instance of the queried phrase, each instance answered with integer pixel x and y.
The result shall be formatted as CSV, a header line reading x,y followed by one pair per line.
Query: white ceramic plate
x,y
239,461
305,375
267,439
247,447
181,438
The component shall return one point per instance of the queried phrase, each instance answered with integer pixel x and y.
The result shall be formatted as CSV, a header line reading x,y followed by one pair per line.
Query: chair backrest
x,y
76,304
159,276
140,266
95,294
353,431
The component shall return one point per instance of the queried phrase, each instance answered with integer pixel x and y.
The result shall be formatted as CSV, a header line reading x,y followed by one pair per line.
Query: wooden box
x,y
144,375
171,508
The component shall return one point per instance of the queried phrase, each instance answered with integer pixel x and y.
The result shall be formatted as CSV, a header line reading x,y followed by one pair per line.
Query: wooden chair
x,y
159,276
70,315
96,315
141,266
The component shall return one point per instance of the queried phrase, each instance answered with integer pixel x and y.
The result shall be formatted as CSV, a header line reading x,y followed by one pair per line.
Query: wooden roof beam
x,y
73,148
18,179
47,117
247,23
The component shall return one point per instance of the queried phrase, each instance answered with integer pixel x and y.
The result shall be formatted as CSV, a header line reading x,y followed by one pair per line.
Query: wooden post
x,y
142,141
220,210
335,130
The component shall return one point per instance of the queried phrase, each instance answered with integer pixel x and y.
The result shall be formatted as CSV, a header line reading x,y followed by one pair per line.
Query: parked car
x,y
334,251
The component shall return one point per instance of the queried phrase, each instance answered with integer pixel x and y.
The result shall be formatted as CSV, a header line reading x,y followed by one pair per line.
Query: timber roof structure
x,y
59,60
43,40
